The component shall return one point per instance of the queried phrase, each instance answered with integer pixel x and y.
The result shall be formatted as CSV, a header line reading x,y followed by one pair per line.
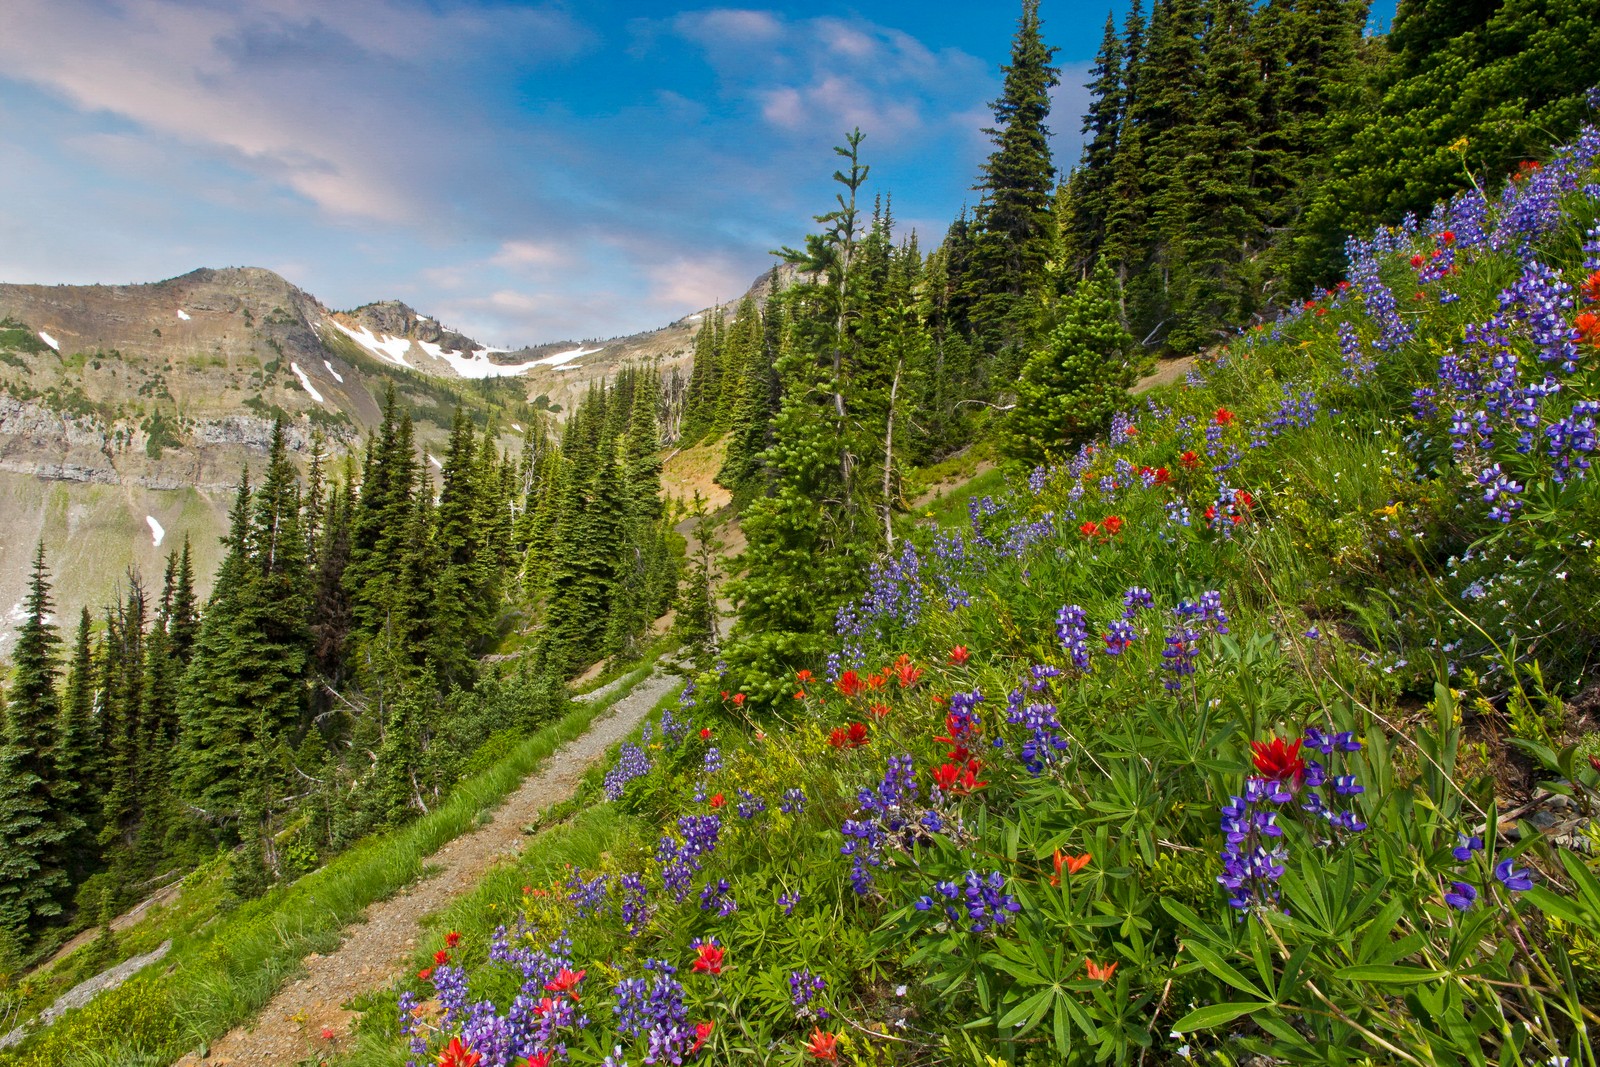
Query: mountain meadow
x,y
1155,622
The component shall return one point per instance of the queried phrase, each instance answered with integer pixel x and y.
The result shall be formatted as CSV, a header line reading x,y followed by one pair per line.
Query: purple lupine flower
x,y
636,911
988,905
1072,629
1462,896
1119,636
588,898
1466,846
631,763
804,988
1517,880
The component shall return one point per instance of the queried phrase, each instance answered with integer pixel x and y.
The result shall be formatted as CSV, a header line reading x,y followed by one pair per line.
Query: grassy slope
x,y
225,966
1351,581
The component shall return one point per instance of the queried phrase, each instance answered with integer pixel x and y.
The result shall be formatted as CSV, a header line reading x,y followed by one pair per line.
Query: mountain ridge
x,y
128,408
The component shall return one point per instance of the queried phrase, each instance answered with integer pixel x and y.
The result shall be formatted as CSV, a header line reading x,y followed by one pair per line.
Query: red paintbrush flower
x,y
959,655
456,1054
452,939
566,981
823,1046
718,800
425,974
1112,524
857,734
1190,460
1071,864
1243,499
1224,416
803,676
1279,762
1591,288
1448,237
705,733
738,700
880,711
1090,528
701,1032
907,672
850,683
1588,327
537,1059
1098,973
1417,260
442,956
878,680
709,959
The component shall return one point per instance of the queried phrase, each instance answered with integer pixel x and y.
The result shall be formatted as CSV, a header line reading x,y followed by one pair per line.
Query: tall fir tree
x,y
1088,205
1221,229
78,754
1015,232
36,826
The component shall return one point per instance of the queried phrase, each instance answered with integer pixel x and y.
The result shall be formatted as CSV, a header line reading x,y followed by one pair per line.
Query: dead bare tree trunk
x,y
888,460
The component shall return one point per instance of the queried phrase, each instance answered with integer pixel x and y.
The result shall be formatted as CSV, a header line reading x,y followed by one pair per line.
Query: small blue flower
x,y
1461,897
1467,846
1515,879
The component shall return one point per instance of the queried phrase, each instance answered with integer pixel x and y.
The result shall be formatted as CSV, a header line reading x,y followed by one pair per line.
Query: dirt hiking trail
x,y
377,949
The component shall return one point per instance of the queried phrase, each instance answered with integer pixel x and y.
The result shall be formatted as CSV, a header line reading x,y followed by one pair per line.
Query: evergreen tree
x,y
1077,380
1124,243
1222,226
122,688
809,540
35,824
696,622
458,610
1015,231
1102,126
78,757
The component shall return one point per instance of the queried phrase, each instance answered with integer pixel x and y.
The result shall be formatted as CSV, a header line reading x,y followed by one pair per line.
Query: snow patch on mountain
x,y
560,359
305,383
477,364
435,461
336,375
184,315
51,341
393,349
157,531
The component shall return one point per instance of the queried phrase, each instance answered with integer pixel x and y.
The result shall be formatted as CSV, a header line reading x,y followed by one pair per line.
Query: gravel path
x,y
376,951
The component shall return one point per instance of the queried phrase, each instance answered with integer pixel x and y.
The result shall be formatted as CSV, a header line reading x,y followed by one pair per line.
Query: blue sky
x,y
525,172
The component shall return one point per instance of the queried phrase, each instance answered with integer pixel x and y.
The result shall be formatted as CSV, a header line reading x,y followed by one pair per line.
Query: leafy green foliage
x,y
1071,386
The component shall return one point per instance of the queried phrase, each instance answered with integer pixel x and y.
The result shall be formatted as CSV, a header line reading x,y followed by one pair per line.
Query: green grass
x,y
229,970
579,832
950,509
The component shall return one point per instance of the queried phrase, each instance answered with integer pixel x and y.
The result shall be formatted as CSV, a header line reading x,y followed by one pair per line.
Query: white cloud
x,y
825,75
290,90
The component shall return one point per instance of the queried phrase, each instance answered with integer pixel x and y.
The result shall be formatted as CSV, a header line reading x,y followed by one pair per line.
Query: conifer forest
x,y
1155,620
